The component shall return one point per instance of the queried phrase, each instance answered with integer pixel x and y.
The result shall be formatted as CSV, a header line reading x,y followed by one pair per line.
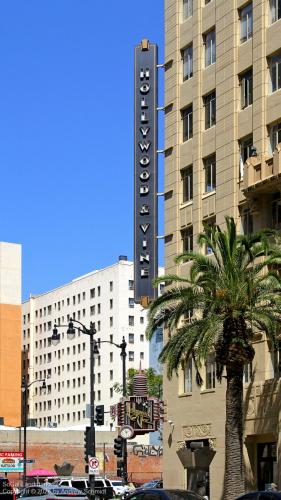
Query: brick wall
x,y
48,448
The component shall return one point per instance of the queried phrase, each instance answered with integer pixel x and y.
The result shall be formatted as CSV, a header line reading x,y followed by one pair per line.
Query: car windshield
x,y
117,483
150,484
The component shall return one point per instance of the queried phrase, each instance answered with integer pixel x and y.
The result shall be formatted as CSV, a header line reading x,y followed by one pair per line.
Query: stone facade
x,y
244,183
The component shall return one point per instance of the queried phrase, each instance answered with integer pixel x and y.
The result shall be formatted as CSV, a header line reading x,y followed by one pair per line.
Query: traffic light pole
x,y
92,402
123,355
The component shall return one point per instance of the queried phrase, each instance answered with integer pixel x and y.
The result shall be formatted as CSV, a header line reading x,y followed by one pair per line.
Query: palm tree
x,y
234,292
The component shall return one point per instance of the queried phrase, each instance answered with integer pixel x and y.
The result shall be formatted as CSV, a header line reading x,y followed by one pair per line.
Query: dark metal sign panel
x,y
146,172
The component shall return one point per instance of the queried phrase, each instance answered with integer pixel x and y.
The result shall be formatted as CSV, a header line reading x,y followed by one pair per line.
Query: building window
x,y
159,336
274,136
111,357
131,302
98,291
141,355
131,284
111,304
275,72
210,47
208,250
246,82
141,320
111,286
187,184
210,109
187,123
111,321
141,337
131,355
92,293
246,23
131,320
210,173
275,10
246,145
188,376
276,361
210,372
187,239
111,392
247,221
247,373
187,9
111,374
92,310
276,211
131,338
187,61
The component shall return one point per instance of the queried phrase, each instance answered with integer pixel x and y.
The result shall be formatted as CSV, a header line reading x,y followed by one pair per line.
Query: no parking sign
x,y
94,465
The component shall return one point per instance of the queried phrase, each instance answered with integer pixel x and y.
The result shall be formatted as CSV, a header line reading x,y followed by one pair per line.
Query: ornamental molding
x,y
181,445
197,431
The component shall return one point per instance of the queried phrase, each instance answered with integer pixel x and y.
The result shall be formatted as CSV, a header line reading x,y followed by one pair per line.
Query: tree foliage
x,y
223,301
154,382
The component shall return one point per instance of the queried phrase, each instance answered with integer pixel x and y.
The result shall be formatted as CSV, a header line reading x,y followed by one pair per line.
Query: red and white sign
x,y
94,464
11,461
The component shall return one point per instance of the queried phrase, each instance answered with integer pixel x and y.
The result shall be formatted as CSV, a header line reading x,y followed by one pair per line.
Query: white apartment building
x,y
105,297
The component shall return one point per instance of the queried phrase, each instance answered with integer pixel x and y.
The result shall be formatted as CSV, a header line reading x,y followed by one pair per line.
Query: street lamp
x,y
71,327
123,355
24,387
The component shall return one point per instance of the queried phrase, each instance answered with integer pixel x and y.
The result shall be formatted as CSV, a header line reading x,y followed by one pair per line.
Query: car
x,y
51,492
261,495
6,490
103,487
162,494
119,488
155,483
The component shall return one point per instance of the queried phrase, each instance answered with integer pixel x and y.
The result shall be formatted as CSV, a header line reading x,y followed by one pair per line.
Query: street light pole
x,y
123,355
92,403
93,350
24,388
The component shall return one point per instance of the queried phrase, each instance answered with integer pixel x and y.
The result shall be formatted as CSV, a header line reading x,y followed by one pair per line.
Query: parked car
x,y
119,488
6,490
51,491
103,487
155,483
162,494
261,495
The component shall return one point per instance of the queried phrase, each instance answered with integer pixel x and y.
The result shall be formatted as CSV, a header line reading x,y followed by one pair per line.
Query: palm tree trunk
x,y
234,483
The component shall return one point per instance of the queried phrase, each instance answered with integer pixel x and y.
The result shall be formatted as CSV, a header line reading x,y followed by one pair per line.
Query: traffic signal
x,y
88,443
100,415
120,468
118,446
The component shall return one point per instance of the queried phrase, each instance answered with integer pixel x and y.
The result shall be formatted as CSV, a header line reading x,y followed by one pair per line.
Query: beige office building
x,y
222,157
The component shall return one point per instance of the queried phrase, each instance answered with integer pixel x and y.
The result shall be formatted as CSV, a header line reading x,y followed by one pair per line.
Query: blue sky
x,y
66,125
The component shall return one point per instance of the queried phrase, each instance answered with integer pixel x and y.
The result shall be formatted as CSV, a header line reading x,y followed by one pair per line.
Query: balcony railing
x,y
261,175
